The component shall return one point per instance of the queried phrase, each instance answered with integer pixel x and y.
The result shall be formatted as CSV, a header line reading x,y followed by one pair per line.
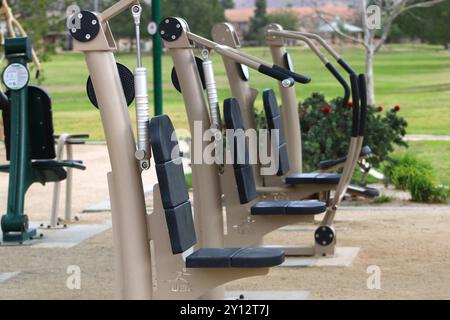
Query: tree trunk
x,y
370,81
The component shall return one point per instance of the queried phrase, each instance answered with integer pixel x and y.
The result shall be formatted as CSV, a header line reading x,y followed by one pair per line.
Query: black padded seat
x,y
313,178
325,164
235,258
50,170
288,208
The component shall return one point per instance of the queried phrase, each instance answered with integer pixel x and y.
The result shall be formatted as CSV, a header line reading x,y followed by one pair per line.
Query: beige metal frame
x,y
242,229
275,36
208,212
142,270
225,33
132,248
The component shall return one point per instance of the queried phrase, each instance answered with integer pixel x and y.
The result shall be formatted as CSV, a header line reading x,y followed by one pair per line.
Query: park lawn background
x,y
416,77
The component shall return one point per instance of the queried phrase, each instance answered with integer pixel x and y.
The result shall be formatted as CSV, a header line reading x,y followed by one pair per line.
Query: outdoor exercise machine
x,y
275,39
29,140
325,234
291,165
242,227
205,268
248,224
133,229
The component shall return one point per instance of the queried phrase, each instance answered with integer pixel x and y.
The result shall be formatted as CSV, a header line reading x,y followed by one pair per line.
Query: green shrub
x,y
409,173
383,199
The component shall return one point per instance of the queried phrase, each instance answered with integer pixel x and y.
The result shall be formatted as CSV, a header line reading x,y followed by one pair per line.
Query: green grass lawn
x,y
415,77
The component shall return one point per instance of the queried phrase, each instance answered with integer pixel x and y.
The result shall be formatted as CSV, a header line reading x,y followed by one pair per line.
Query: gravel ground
x,y
410,245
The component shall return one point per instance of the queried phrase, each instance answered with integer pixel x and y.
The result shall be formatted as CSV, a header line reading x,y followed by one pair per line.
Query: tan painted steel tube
x,y
289,117
129,205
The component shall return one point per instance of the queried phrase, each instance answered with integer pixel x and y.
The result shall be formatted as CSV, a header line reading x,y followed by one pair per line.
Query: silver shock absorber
x,y
142,113
211,89
213,102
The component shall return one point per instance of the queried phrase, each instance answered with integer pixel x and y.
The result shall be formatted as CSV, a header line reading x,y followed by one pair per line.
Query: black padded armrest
x,y
325,164
49,164
313,178
74,136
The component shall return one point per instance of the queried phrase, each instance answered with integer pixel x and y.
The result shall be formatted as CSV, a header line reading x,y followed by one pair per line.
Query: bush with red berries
x,y
326,127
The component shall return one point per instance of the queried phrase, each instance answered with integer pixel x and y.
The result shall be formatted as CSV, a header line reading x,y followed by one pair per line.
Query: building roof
x,y
338,24
245,14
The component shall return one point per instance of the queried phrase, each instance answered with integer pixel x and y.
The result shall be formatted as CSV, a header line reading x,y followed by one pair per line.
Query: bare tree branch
x,y
394,10
425,4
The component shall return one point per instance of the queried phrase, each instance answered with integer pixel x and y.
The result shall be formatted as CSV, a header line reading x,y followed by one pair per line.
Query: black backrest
x,y
273,117
172,184
242,169
40,124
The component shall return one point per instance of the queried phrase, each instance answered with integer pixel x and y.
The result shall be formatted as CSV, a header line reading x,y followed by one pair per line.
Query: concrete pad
x,y
5,276
63,238
343,257
70,237
267,295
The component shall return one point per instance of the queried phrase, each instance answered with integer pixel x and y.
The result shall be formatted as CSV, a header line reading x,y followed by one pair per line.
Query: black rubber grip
x,y
355,97
345,65
342,81
271,72
363,98
297,77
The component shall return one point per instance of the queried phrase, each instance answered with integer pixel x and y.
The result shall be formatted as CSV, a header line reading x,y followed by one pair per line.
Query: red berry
x,y
350,104
326,109
397,108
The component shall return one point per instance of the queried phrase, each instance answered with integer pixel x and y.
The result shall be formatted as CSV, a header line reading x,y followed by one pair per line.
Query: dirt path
x,y
410,245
